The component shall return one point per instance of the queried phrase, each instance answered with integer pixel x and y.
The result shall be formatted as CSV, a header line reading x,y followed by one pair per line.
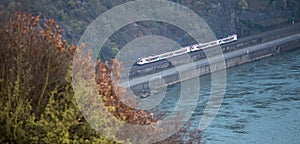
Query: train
x,y
184,50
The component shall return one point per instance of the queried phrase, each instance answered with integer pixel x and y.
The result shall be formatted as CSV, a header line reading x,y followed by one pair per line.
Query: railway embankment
x,y
244,50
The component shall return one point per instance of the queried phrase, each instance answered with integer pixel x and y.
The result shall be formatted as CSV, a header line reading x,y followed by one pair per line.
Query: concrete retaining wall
x,y
142,89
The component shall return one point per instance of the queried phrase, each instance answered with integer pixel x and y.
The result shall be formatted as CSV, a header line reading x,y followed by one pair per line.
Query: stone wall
x,y
143,88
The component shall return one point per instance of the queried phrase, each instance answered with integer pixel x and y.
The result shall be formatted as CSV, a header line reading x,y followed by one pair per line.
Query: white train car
x,y
187,49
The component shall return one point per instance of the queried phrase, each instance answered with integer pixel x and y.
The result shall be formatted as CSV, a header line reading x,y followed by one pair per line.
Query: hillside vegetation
x,y
244,17
241,16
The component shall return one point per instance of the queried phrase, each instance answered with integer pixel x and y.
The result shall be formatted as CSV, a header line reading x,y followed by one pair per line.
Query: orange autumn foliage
x,y
112,94
34,47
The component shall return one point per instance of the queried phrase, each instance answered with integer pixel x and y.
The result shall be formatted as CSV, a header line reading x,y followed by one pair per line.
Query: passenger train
x,y
184,50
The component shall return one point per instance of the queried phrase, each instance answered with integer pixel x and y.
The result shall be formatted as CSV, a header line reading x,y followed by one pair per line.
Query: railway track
x,y
142,70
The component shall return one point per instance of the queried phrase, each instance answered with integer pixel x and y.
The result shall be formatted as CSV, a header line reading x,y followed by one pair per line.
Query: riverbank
x,y
140,85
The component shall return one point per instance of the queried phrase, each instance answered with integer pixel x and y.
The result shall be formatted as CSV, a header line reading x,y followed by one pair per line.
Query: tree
x,y
243,4
115,51
36,95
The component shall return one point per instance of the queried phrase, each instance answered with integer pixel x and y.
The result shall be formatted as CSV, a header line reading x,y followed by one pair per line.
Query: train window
x,y
155,58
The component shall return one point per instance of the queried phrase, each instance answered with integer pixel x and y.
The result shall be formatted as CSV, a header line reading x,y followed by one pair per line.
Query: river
x,y
261,104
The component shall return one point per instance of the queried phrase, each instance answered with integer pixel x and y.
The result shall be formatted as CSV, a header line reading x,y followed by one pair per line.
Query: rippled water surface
x,y
261,104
